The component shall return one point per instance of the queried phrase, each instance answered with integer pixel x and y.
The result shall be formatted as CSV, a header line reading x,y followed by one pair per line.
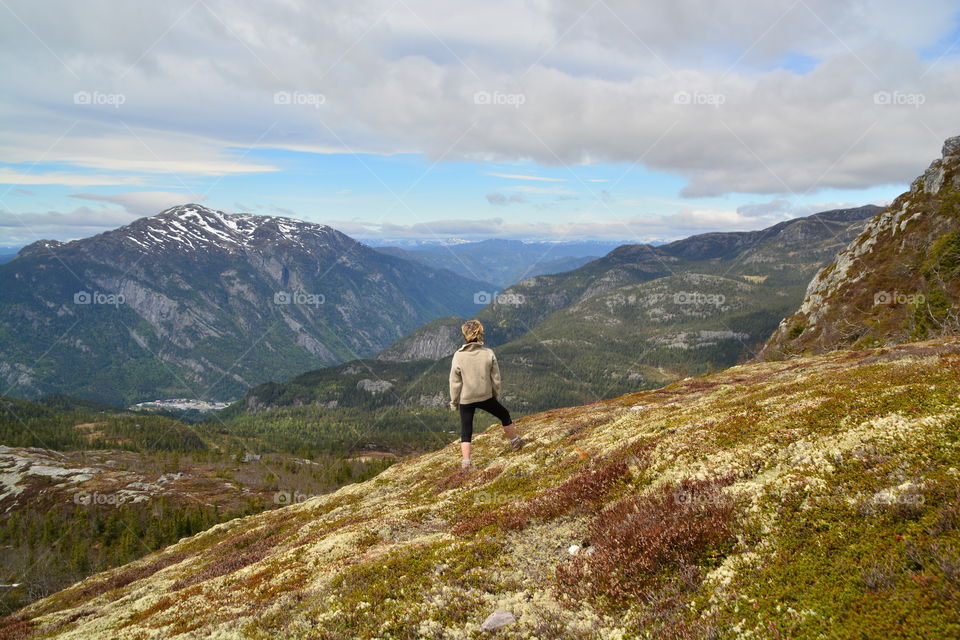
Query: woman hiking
x,y
475,384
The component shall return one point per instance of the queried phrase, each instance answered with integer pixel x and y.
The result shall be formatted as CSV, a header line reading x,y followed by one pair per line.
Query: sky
x,y
622,120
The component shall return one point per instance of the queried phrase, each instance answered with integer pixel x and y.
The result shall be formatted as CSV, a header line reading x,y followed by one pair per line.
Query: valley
x,y
86,489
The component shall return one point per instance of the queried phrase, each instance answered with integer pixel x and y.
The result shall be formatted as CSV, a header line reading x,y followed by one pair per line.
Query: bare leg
x,y
510,431
465,450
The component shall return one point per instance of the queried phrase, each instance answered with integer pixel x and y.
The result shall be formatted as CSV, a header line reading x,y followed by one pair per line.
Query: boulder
x,y
951,146
497,619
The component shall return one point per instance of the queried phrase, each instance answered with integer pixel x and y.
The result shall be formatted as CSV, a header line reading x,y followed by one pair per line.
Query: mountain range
x,y
504,262
639,317
198,303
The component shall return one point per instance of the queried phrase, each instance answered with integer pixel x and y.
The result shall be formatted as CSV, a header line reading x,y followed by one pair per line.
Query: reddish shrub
x,y
118,579
232,555
587,488
68,620
578,428
15,627
159,606
639,540
584,491
460,477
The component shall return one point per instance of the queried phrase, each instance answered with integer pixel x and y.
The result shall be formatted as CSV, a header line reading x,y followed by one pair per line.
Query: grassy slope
x,y
803,499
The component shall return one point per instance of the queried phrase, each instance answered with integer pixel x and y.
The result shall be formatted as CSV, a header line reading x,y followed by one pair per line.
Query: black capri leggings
x,y
491,406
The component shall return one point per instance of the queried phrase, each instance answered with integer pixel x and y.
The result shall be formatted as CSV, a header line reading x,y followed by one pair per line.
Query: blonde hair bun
x,y
472,331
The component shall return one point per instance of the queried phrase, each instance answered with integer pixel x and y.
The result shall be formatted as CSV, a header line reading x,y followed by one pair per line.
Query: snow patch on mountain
x,y
195,227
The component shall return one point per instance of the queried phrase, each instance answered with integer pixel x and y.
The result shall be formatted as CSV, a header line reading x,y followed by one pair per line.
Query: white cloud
x,y
124,149
23,228
522,188
777,206
629,230
144,203
518,176
10,176
600,83
501,200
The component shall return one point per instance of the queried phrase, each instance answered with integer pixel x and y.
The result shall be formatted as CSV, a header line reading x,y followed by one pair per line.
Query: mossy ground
x,y
818,497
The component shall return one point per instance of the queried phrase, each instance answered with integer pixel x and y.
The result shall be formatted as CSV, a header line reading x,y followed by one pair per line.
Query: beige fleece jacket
x,y
474,374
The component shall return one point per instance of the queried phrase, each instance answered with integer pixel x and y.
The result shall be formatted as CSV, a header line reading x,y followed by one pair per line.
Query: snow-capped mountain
x,y
201,303
194,227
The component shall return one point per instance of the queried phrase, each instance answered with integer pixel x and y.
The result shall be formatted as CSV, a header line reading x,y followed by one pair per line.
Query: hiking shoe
x,y
466,465
517,443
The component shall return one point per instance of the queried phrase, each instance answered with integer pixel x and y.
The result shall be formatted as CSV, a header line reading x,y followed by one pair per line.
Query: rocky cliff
x,y
433,341
899,280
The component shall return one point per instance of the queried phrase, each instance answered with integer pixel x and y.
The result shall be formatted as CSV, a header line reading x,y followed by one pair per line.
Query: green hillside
x,y
810,498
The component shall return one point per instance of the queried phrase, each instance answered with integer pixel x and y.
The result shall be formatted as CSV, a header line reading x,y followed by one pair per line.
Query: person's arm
x,y
456,383
495,376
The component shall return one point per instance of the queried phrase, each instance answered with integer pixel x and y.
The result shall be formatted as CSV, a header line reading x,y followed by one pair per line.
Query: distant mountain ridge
x,y
898,281
787,253
504,261
639,317
193,227
194,301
